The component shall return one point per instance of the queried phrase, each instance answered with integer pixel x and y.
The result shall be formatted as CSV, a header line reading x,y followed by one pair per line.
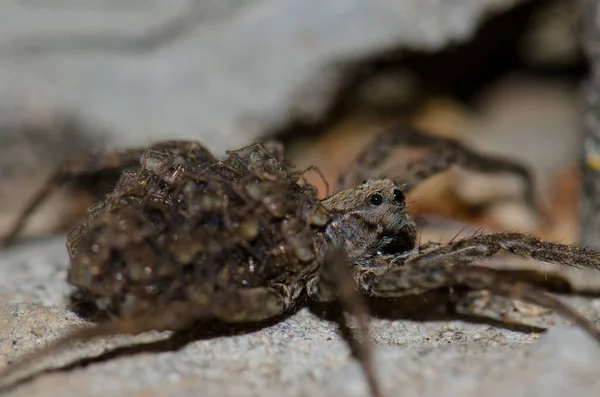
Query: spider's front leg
x,y
468,250
443,154
451,265
335,282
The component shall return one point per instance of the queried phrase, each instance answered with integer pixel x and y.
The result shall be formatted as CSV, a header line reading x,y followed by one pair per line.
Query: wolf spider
x,y
185,237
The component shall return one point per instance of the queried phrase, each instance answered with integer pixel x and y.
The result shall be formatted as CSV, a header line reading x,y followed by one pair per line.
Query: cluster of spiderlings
x,y
112,257
185,222
279,215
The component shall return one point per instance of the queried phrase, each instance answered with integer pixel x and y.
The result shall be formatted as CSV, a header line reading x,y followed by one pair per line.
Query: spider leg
x,y
178,317
65,173
117,160
444,154
320,174
479,247
486,308
479,306
335,282
402,281
275,148
243,305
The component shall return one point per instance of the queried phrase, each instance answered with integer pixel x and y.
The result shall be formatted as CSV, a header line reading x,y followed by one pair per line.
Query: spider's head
x,y
370,220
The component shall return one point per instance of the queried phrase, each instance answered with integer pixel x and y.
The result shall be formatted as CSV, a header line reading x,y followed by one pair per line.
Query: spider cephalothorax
x,y
186,237
370,222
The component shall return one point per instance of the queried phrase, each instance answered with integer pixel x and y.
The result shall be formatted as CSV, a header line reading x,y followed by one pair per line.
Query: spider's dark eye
x,y
376,199
398,196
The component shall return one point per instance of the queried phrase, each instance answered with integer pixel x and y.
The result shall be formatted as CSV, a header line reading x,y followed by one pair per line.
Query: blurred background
x,y
503,76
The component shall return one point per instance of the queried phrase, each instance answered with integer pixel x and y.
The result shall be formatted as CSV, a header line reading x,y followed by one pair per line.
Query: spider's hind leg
x,y
475,306
111,161
67,172
451,265
498,283
175,319
403,281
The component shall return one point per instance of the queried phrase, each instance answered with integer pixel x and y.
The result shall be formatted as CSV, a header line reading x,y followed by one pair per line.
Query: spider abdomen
x,y
178,231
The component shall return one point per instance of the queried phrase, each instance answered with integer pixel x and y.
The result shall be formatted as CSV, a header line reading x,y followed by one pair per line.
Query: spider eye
x,y
398,196
376,199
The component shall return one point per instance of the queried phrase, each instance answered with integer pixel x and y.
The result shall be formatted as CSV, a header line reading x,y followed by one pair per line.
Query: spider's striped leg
x,y
67,172
117,160
335,282
177,317
443,154
483,306
402,281
236,306
479,247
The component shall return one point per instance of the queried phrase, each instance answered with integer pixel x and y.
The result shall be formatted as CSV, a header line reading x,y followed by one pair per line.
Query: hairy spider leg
x,y
402,281
168,320
463,303
234,306
75,167
445,154
319,173
449,265
478,247
335,282
66,173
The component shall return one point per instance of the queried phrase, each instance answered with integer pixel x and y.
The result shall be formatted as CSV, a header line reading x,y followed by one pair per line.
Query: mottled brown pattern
x,y
185,236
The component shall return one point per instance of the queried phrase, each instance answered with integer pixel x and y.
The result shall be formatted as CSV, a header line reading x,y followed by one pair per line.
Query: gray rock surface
x,y
301,356
144,70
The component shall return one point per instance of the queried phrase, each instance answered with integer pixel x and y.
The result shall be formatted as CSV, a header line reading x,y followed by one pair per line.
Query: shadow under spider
x,y
436,305
201,330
